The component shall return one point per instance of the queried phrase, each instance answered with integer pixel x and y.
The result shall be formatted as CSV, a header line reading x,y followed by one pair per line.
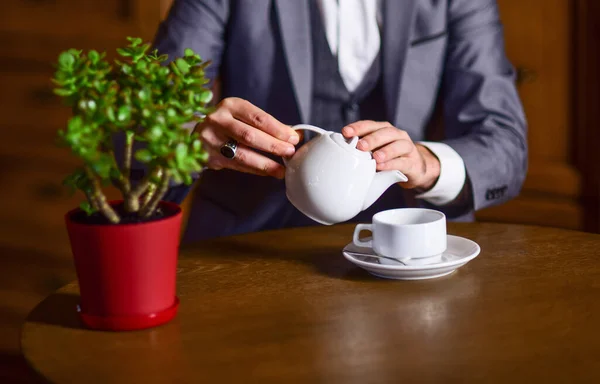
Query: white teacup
x,y
414,236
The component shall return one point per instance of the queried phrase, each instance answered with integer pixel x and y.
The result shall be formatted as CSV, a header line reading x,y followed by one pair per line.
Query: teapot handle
x,y
306,127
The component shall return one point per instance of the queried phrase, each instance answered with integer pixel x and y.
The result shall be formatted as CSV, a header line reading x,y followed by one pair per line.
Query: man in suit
x,y
381,70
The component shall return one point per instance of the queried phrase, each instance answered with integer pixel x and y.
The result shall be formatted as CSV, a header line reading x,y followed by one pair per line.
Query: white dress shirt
x,y
353,33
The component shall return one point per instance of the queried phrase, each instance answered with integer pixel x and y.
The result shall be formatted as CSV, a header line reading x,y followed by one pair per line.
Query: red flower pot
x,y
126,272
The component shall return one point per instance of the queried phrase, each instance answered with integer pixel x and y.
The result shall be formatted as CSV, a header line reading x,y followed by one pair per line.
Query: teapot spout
x,y
381,182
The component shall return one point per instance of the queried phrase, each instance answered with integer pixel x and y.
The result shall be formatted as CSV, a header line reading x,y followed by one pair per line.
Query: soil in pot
x,y
97,218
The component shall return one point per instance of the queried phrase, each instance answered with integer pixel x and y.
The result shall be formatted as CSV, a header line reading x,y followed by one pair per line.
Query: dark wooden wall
x,y
34,255
540,41
586,104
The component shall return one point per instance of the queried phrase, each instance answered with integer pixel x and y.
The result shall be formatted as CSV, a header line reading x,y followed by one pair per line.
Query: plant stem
x,y
128,154
151,188
123,184
153,201
93,201
148,195
145,183
132,202
100,199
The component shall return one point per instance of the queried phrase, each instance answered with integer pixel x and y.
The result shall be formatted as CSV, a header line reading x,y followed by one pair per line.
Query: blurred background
x,y
553,44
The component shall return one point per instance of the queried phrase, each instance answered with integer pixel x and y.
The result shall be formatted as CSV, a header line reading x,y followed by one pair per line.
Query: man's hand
x,y
393,149
252,128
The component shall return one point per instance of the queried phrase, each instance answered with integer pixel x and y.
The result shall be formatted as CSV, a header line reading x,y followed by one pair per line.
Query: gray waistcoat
x,y
334,107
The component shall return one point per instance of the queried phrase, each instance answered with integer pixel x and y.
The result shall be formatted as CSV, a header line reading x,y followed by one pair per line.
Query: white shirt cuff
x,y
452,174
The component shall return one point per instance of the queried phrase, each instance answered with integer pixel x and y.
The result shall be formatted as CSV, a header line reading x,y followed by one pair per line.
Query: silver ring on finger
x,y
229,149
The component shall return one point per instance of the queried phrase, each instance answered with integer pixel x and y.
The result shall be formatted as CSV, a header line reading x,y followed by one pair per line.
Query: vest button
x,y
351,113
353,107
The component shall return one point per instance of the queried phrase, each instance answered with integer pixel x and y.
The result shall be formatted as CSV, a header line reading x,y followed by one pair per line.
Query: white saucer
x,y
459,252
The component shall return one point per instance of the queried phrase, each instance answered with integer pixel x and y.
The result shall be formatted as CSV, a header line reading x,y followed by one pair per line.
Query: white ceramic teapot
x,y
329,180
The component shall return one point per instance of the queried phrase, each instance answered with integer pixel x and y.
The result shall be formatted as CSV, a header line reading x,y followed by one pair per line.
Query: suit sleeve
x,y
196,24
199,25
483,115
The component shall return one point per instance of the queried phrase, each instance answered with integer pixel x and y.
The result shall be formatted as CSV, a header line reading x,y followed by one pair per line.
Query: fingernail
x,y
347,131
294,139
379,156
362,144
289,151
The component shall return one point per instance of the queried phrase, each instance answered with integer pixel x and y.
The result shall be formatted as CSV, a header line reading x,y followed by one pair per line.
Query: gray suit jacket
x,y
438,55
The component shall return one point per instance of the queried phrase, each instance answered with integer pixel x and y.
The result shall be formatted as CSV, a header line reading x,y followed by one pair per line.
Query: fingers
x,y
248,161
392,150
403,164
245,160
255,138
249,125
210,137
380,138
255,117
363,127
254,130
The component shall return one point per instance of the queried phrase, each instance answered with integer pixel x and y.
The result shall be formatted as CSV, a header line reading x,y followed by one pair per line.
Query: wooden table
x,y
286,306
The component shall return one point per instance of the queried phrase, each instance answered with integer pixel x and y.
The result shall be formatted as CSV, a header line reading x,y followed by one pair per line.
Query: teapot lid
x,y
350,145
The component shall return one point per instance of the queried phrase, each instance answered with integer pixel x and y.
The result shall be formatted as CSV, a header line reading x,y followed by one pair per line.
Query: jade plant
x,y
145,99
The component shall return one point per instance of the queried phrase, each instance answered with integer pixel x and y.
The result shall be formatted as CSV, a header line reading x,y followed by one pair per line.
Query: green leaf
x,y
163,71
101,168
144,94
114,173
182,65
187,179
197,145
94,56
75,52
73,181
110,113
124,113
189,52
87,208
75,123
143,155
205,96
63,92
66,60
203,158
181,152
155,132
171,112
126,69
125,52
135,41
141,66
100,86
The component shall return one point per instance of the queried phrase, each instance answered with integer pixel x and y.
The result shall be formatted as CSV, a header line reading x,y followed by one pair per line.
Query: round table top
x,y
286,306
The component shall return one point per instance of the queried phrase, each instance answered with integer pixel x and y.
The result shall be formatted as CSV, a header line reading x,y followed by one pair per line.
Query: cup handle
x,y
306,127
357,241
